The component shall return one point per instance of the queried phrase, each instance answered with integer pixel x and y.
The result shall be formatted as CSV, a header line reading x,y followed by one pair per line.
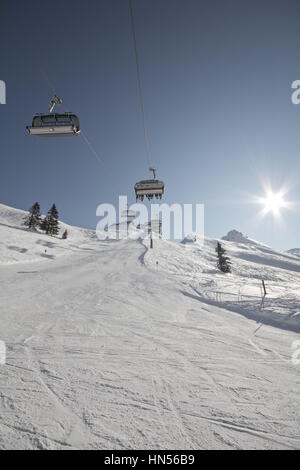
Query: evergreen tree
x,y
33,219
224,263
50,223
65,235
53,219
45,224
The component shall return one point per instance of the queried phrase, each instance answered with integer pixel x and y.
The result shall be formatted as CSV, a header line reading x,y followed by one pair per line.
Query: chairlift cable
x,y
42,72
149,188
83,135
88,143
139,83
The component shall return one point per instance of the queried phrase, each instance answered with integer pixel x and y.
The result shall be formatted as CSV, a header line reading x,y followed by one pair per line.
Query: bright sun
x,y
273,202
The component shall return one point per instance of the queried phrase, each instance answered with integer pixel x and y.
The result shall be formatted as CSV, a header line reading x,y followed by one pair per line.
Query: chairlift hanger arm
x,y
154,172
55,100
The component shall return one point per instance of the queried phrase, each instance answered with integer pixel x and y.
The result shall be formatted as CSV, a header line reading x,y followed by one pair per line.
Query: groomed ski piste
x,y
111,345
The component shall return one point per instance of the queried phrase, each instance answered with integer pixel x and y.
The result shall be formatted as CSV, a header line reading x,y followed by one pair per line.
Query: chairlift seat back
x,y
149,188
54,125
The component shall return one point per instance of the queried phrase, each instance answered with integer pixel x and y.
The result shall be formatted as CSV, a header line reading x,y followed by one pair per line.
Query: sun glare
x,y
273,202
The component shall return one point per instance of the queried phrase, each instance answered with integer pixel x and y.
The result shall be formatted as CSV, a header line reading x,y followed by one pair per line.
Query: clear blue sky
x,y
216,79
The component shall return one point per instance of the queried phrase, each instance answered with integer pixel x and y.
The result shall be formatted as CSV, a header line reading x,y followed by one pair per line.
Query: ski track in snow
x,y
106,349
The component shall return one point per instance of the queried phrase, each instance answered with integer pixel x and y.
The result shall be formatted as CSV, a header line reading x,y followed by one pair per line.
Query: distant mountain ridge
x,y
294,251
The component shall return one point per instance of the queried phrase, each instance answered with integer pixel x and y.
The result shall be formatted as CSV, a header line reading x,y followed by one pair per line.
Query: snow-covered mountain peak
x,y
236,236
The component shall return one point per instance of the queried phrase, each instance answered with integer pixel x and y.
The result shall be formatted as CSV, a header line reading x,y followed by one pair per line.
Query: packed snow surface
x,y
111,345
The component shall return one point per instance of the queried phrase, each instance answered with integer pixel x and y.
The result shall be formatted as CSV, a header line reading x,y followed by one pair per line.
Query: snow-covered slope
x,y
116,346
240,291
18,244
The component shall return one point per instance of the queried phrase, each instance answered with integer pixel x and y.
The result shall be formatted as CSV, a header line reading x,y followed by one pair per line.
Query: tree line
x,y
48,224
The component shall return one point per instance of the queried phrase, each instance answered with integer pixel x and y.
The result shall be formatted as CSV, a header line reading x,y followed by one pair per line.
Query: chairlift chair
x,y
149,188
54,124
